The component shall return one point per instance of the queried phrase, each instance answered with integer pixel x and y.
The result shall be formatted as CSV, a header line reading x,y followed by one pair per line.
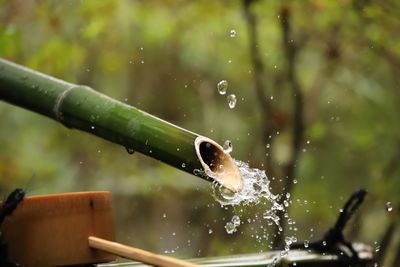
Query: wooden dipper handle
x,y
52,230
137,254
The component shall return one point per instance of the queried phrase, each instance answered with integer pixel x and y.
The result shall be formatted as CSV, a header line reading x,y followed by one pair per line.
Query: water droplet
x,y
197,172
389,206
92,127
228,147
183,165
210,231
164,215
286,203
324,243
289,240
295,181
231,101
306,243
232,33
230,228
174,234
130,150
142,62
222,86
236,220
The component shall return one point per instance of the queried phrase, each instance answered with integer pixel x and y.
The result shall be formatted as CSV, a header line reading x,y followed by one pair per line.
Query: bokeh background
x,y
318,107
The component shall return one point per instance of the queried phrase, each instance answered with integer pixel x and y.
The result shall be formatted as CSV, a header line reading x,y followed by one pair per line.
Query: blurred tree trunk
x,y
388,239
268,125
290,50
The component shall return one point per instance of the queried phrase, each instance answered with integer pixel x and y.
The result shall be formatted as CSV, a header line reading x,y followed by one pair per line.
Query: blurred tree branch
x,y
290,50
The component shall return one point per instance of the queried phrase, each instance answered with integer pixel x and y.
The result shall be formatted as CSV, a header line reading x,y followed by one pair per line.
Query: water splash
x,y
255,189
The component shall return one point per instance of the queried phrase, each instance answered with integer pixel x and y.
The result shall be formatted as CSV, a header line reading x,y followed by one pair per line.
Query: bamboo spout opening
x,y
217,164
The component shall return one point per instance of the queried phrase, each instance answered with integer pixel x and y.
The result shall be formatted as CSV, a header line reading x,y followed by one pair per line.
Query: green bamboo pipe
x,y
80,107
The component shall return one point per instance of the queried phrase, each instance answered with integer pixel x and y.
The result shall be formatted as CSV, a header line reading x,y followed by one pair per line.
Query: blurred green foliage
x,y
166,57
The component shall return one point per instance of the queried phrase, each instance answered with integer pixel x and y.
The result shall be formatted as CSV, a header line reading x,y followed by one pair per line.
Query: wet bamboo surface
x,y
294,258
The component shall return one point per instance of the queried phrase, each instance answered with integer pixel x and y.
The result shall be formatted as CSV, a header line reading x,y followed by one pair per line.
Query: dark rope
x,y
8,207
333,240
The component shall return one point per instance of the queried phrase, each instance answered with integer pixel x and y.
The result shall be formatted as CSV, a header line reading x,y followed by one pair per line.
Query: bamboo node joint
x,y
60,99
